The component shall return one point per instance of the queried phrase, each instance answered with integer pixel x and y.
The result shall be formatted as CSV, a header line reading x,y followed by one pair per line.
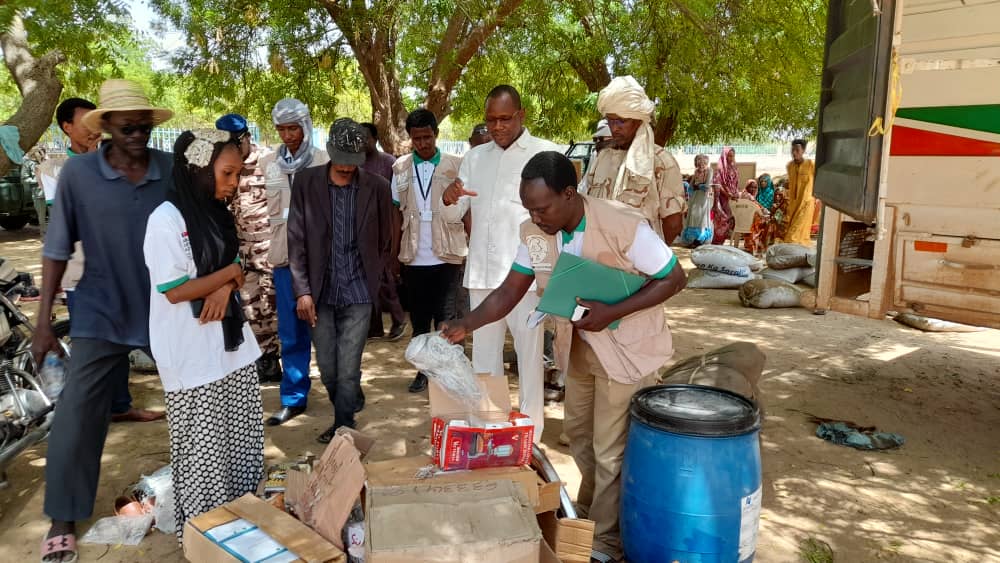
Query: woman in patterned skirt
x,y
204,349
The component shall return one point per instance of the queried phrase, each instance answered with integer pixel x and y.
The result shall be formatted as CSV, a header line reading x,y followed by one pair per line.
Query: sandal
x,y
65,543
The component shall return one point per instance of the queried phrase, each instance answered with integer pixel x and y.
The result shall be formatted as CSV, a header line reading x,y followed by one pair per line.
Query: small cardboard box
x,y
402,471
572,539
265,530
474,522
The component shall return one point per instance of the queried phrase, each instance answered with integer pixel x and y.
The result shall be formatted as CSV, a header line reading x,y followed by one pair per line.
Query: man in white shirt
x,y
487,188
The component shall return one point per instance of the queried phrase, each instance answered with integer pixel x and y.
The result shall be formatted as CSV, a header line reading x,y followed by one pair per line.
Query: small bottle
x,y
52,376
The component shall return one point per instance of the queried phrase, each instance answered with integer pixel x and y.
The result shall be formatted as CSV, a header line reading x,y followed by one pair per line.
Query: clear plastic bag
x,y
119,530
160,485
447,364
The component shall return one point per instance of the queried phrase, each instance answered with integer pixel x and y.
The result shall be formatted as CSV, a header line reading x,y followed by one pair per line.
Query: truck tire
x,y
14,223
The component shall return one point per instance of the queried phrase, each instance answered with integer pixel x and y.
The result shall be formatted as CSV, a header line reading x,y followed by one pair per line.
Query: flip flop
x,y
65,543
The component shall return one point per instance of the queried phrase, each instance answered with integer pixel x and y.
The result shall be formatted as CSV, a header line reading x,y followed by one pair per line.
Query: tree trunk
x,y
664,128
37,82
461,41
372,33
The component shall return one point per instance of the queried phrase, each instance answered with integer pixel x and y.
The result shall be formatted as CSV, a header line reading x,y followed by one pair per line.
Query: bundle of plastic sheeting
x,y
736,367
447,364
786,255
770,294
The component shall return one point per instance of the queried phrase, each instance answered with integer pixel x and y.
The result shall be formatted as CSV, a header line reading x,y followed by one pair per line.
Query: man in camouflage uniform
x,y
250,210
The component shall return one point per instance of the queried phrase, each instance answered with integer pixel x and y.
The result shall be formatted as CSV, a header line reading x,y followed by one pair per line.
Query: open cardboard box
x,y
543,496
474,445
248,512
473,522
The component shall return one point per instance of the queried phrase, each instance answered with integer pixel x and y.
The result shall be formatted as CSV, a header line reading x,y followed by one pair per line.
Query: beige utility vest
x,y
448,239
642,343
279,196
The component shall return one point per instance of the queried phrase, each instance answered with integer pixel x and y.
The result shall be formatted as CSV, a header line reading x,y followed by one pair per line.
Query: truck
x,y
17,208
908,160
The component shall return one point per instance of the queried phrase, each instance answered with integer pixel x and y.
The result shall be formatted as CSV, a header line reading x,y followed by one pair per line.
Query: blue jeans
x,y
296,344
121,398
341,333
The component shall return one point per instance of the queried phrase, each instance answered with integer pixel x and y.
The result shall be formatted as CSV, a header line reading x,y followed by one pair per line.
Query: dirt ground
x,y
935,499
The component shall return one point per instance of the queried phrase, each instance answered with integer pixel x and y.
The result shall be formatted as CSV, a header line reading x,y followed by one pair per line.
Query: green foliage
x,y
244,56
93,35
724,69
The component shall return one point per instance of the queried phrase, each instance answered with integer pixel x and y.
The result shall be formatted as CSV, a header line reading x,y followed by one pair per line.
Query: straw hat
x,y
123,95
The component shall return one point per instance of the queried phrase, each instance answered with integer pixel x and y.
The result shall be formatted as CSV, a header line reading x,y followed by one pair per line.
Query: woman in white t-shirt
x,y
204,349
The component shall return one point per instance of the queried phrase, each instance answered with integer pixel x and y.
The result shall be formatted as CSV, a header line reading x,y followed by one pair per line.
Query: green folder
x,y
578,277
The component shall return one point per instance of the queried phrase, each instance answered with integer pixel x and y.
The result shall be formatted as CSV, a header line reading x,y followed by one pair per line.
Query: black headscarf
x,y
210,225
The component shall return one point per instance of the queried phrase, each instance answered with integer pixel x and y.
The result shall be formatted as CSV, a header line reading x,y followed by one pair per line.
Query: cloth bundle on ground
x,y
789,275
847,434
736,367
786,255
770,294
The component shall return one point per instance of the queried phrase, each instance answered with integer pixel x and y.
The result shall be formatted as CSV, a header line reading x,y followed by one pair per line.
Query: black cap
x,y
347,143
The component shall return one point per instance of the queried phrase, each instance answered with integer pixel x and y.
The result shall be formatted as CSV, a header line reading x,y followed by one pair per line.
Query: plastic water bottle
x,y
52,376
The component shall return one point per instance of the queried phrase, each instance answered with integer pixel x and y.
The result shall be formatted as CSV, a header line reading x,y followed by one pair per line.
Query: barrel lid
x,y
695,410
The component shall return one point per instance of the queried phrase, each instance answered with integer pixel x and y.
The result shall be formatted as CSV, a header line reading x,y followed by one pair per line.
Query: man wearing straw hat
x,y
103,200
634,170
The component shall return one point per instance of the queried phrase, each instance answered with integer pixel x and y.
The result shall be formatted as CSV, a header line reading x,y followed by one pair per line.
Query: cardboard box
x,y
323,499
474,522
477,446
572,539
465,445
543,496
276,533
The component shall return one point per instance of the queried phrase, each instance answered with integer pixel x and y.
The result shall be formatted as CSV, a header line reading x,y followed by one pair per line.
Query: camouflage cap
x,y
347,143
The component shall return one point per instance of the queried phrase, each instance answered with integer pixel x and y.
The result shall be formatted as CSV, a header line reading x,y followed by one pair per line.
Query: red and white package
x,y
458,444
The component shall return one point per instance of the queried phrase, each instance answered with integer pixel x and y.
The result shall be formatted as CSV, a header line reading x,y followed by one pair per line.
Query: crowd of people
x,y
229,264
787,212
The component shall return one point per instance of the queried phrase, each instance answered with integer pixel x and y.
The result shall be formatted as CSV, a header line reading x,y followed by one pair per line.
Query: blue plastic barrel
x,y
691,477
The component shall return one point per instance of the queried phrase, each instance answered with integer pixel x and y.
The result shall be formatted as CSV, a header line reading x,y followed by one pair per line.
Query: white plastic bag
x,y
725,260
119,530
447,363
769,294
790,275
160,485
703,279
787,255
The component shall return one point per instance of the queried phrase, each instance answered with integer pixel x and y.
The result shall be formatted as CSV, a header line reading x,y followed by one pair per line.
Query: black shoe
x,y
269,368
325,437
396,332
419,383
284,415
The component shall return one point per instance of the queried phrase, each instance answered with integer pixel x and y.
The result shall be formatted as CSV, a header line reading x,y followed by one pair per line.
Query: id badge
x,y
426,215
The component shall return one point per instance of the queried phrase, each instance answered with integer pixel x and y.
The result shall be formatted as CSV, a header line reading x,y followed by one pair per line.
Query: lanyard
x,y
425,194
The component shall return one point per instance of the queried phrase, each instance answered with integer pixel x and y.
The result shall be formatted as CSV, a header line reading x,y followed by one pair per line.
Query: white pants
x,y
487,353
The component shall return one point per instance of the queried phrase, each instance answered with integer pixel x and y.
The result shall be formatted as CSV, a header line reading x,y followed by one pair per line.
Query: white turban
x,y
625,98
290,110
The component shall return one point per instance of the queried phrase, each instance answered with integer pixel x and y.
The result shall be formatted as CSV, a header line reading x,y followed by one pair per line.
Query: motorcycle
x,y
25,411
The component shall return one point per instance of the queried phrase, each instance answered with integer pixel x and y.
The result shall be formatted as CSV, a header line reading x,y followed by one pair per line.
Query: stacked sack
x,y
722,267
787,264
792,263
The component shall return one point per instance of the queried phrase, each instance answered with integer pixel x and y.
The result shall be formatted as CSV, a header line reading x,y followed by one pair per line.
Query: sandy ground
x,y
935,499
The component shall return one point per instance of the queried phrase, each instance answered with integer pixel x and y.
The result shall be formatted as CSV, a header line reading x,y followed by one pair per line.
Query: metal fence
x,y
162,138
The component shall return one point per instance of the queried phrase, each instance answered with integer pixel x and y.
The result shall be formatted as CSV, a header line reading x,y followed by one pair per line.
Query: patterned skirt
x,y
216,443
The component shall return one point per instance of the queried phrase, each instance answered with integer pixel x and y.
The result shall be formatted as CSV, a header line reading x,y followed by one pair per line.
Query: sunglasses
x,y
144,128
